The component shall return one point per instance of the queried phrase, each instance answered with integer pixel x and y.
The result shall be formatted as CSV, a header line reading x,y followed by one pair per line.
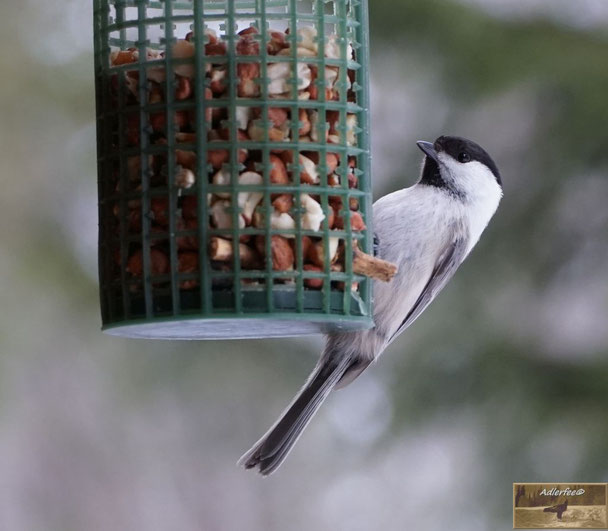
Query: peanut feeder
x,y
233,163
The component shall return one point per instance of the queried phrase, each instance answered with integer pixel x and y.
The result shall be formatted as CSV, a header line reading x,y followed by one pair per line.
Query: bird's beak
x,y
428,149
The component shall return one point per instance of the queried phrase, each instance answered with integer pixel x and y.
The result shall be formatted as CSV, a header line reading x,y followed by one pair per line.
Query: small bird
x,y
427,230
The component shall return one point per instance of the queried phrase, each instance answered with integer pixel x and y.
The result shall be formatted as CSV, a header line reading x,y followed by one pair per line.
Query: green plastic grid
x,y
168,41
123,304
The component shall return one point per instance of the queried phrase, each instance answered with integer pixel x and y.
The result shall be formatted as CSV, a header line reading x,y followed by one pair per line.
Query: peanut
x,y
282,253
183,90
283,203
187,262
356,222
313,283
187,243
189,207
159,263
278,172
159,207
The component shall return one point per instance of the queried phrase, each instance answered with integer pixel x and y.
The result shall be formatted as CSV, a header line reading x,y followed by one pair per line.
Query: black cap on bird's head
x,y
459,149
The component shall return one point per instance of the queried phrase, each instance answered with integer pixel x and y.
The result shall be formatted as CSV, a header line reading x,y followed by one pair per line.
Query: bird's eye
x,y
463,156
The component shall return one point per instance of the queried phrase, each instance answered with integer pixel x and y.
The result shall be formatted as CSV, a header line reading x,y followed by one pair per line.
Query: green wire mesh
x,y
157,275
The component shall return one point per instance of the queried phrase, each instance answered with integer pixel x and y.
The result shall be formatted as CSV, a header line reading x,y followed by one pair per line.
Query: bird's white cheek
x,y
473,179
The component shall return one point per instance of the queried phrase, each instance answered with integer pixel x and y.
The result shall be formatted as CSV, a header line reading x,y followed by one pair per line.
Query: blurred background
x,y
504,378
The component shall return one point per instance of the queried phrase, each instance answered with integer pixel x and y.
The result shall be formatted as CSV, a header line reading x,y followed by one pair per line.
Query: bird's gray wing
x,y
447,263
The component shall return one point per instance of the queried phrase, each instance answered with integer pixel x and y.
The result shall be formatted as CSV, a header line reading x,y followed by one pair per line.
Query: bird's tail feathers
x,y
270,451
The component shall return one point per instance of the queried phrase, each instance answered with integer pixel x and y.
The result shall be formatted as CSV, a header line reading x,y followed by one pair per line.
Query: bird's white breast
x,y
413,226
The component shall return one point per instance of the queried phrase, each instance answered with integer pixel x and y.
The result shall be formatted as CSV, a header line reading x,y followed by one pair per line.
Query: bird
x,y
559,509
427,230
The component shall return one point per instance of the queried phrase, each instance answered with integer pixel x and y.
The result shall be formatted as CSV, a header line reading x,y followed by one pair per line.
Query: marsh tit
x,y
427,230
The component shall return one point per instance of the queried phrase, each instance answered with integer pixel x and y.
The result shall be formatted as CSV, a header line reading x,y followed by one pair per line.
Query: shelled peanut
x,y
248,208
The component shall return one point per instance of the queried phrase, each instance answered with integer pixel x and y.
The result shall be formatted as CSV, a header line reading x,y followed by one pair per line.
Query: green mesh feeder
x,y
203,107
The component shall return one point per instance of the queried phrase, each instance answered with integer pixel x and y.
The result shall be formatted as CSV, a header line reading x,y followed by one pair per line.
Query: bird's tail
x,y
270,451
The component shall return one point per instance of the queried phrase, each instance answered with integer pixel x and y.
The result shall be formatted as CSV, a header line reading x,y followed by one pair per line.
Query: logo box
x,y
560,505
